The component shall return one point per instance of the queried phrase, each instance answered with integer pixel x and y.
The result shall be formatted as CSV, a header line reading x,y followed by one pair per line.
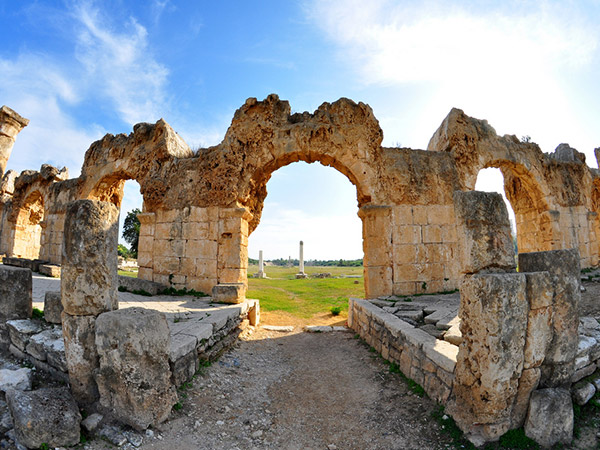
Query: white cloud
x,y
35,87
121,65
509,62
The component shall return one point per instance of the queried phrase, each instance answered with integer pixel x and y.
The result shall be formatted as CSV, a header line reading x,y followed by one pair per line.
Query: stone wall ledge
x,y
412,348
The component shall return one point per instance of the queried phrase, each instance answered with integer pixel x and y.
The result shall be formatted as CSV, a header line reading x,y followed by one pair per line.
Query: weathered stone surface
x,y
563,267
453,335
134,379
528,383
91,422
48,416
229,292
133,284
15,292
20,331
493,318
6,422
19,379
81,356
550,417
254,312
539,336
89,266
583,392
53,307
48,341
484,235
11,124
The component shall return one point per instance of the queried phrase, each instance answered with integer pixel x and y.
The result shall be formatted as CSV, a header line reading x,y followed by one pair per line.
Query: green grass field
x,y
304,298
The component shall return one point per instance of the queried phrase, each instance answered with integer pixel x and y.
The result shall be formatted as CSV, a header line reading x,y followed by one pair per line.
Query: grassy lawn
x,y
304,298
127,273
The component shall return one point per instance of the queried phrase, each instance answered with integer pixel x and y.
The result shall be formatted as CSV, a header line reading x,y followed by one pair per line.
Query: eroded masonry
x,y
424,231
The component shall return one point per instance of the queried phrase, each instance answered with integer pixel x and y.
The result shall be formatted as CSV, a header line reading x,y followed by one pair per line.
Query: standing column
x,y
301,273
10,125
261,266
88,287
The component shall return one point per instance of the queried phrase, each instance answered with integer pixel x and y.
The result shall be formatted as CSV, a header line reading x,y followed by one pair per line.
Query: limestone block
x,y
89,268
134,379
19,379
493,316
52,307
563,267
15,292
201,249
529,381
45,416
42,343
539,289
378,281
20,331
81,355
539,336
229,292
583,392
483,229
254,313
550,417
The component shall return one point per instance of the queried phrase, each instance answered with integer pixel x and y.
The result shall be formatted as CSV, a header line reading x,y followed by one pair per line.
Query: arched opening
x,y
317,205
29,228
531,221
124,192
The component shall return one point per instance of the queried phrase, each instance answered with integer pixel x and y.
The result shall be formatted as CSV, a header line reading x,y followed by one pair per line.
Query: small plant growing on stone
x,y
122,289
336,310
178,406
44,446
37,313
424,286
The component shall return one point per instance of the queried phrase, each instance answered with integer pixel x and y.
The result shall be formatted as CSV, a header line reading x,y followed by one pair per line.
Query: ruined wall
x,y
200,207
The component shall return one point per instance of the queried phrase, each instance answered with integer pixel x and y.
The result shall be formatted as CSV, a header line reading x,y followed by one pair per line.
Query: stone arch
x,y
28,240
534,219
110,188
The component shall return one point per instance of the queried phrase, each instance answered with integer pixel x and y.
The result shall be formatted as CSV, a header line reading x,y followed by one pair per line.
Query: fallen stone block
x,y
91,422
550,417
282,328
47,341
134,378
229,293
52,270
19,379
53,307
583,392
48,416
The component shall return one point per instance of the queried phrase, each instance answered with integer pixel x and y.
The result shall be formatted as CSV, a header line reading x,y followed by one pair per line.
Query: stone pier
x,y
11,124
88,287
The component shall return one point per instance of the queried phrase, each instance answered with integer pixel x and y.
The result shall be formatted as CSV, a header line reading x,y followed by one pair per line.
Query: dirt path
x,y
299,391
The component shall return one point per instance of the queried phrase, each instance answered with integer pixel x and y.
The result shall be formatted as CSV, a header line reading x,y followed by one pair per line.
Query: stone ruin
x,y
425,230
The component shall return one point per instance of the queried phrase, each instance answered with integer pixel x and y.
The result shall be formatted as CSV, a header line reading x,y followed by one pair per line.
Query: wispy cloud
x,y
35,86
120,64
506,62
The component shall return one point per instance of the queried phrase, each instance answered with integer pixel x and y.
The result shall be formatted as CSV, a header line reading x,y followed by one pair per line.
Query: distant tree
x,y
131,231
123,251
526,139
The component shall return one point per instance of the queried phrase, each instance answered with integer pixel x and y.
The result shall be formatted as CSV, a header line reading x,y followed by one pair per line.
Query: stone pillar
x,y
378,249
88,287
301,273
261,266
563,265
483,228
232,255
493,314
11,124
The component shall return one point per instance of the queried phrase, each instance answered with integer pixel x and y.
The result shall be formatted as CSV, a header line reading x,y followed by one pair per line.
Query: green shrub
x,y
37,313
336,310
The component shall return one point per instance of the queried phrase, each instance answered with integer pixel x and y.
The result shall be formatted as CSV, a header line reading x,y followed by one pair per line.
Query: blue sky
x,y
80,69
